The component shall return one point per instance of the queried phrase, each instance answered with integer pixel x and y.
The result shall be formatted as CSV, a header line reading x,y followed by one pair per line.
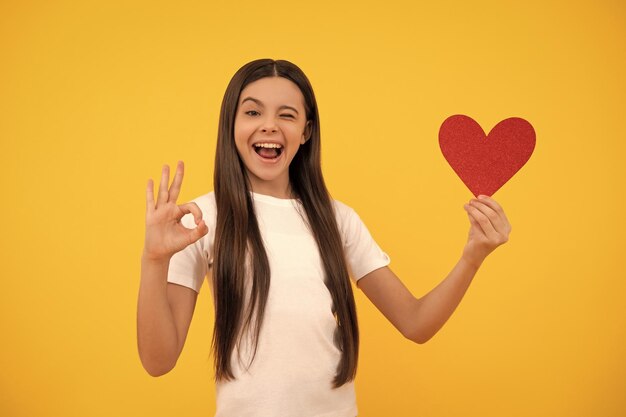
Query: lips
x,y
268,150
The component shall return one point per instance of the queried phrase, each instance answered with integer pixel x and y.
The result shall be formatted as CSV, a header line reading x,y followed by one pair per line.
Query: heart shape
x,y
486,162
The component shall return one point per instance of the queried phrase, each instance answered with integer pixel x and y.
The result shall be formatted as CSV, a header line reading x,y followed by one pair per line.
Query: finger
x,y
493,204
191,208
199,231
483,221
474,223
150,195
503,225
196,233
165,179
494,217
471,218
176,184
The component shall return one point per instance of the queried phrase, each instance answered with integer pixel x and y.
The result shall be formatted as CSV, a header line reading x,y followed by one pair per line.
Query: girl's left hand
x,y
489,229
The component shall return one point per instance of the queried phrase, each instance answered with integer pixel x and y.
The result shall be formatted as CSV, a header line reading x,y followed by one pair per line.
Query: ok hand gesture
x,y
165,235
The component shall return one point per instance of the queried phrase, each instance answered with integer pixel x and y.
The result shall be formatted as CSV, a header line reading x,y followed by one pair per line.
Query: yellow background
x,y
96,96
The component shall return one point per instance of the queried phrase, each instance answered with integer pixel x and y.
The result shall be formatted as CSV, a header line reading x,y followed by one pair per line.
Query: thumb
x,y
473,222
200,230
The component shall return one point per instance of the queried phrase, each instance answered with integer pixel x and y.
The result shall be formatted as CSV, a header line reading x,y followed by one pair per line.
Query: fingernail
x,y
482,196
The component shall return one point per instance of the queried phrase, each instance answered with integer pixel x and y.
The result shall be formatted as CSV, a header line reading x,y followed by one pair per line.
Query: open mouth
x,y
268,150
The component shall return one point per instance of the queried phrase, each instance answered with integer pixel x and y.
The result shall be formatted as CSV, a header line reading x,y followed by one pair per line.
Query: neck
x,y
282,191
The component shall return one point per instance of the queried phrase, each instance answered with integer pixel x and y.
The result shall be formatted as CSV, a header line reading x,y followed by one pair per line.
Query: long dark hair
x,y
237,235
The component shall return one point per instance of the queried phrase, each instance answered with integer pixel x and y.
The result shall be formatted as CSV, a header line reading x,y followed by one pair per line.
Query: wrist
x,y
150,258
471,262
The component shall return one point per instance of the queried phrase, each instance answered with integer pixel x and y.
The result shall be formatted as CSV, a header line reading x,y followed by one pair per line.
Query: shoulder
x,y
363,254
342,210
347,218
349,222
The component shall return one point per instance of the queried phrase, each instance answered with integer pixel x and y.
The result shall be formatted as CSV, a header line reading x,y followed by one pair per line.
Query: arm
x,y
164,310
164,313
419,319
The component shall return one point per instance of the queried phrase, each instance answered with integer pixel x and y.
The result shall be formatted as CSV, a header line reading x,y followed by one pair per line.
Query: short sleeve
x,y
363,254
190,266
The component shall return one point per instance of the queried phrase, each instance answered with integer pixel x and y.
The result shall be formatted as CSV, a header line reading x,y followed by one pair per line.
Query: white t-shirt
x,y
296,359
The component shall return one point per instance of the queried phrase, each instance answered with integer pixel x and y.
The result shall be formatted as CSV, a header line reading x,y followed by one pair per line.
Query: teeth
x,y
267,145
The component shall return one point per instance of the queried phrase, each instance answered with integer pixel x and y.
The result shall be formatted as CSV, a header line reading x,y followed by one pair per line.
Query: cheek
x,y
241,134
292,130
241,146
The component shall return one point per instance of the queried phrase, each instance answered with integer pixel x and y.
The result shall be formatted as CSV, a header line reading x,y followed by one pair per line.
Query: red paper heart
x,y
486,162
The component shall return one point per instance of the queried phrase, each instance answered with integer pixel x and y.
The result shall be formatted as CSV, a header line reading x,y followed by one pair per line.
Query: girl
x,y
280,254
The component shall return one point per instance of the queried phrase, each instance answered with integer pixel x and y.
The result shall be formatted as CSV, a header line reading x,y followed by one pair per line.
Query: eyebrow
x,y
284,106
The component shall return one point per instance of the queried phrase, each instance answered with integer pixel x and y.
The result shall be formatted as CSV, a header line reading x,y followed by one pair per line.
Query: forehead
x,y
273,91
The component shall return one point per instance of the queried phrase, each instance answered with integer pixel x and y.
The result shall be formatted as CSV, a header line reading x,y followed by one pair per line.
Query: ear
x,y
306,135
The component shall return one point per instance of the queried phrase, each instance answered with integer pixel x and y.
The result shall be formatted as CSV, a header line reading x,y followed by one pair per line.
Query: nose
x,y
269,125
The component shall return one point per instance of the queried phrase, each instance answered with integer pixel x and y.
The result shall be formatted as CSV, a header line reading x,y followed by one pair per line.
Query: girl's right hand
x,y
165,235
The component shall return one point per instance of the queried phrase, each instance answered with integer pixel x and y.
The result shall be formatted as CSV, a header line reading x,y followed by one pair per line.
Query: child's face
x,y
269,129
